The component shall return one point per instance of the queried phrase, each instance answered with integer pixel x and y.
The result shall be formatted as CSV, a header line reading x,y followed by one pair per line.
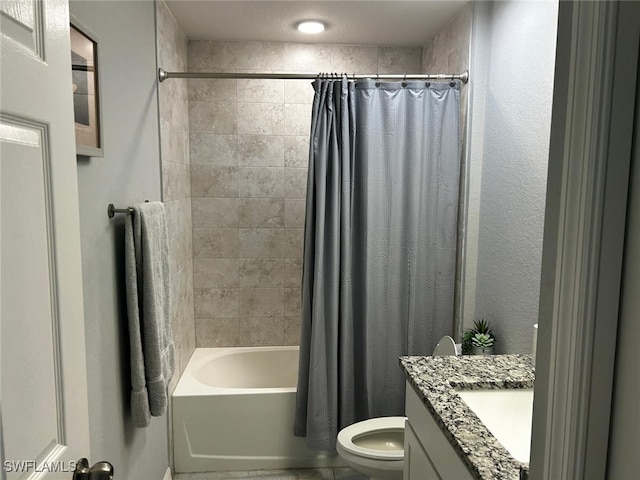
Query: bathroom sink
x,y
507,415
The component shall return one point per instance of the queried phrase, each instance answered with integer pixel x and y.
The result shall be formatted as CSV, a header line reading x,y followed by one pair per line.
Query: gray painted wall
x,y
513,53
129,173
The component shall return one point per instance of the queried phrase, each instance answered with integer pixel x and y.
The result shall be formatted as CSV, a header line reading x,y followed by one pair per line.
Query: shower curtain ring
x,y
404,80
377,79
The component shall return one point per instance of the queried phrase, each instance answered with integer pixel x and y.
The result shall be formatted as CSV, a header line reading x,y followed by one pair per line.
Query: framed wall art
x,y
86,92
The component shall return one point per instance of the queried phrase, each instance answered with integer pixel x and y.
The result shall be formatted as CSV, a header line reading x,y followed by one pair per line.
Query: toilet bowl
x,y
375,447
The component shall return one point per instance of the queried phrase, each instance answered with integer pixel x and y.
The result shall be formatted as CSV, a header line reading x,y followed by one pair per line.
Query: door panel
x,y
43,386
21,20
30,405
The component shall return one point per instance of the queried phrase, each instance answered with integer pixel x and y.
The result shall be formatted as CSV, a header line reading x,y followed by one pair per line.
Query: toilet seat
x,y
372,426
380,463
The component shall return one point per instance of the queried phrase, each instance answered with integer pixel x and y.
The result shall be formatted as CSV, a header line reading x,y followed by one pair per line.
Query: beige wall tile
x,y
217,332
261,243
261,302
215,212
427,59
261,91
261,331
260,182
261,150
295,182
296,151
293,242
261,272
261,212
181,283
213,90
180,251
297,119
178,216
260,56
172,42
294,210
292,302
302,57
176,182
215,273
354,59
175,142
260,118
298,91
215,243
212,117
292,330
214,181
399,60
213,149
203,55
216,302
292,272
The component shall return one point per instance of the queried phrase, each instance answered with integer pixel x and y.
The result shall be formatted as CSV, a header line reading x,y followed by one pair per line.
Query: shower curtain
x,y
379,246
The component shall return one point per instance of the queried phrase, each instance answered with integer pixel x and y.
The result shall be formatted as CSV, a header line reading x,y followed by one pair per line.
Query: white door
x,y
43,387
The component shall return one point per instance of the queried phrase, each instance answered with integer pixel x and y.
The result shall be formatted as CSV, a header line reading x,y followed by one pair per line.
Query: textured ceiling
x,y
392,23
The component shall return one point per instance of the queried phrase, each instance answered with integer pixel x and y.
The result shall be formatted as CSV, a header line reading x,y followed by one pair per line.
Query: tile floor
x,y
342,473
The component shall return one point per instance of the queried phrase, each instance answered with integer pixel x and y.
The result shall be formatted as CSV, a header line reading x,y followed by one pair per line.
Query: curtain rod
x,y
163,75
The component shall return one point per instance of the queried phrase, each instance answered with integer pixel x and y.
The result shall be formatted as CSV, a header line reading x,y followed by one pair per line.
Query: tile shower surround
x,y
176,184
248,152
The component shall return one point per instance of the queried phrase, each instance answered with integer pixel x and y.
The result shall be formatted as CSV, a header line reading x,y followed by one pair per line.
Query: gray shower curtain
x,y
379,246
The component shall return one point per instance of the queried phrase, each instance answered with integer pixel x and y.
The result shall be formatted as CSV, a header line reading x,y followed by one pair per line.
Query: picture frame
x,y
85,74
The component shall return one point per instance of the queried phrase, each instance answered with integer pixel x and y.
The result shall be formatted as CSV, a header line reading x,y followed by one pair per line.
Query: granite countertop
x,y
435,379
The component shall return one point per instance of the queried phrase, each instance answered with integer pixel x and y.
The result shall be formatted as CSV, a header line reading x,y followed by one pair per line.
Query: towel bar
x,y
112,210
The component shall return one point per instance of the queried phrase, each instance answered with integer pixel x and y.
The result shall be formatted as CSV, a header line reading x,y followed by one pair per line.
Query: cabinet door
x,y
444,459
417,465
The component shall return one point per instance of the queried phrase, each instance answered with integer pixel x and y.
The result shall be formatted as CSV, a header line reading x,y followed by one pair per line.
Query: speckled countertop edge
x,y
435,379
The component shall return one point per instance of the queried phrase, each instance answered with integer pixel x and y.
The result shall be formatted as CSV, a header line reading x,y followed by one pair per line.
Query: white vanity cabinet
x,y
427,452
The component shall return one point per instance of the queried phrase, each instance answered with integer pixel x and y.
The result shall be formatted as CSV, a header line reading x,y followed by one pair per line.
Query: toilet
x,y
375,447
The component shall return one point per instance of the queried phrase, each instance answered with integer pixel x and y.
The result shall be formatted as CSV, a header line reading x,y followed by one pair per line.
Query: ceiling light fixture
x,y
311,26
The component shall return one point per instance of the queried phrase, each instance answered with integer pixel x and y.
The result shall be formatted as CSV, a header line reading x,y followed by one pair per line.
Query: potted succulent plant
x,y
478,340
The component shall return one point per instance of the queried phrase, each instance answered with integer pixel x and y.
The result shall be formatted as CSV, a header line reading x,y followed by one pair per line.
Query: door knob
x,y
81,471
100,471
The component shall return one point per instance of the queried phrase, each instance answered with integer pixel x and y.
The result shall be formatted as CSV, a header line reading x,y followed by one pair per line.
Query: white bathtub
x,y
233,409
